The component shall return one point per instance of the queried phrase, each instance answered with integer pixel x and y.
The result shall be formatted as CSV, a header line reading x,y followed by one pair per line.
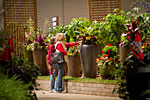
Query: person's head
x,y
52,40
60,37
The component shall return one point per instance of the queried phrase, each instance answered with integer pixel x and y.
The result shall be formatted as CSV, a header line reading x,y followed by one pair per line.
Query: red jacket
x,y
51,49
61,49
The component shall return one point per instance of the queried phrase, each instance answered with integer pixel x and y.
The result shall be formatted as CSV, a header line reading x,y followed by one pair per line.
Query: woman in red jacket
x,y
61,47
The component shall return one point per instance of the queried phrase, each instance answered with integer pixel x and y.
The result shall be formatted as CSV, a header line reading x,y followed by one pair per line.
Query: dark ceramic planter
x,y
74,65
89,54
39,57
138,81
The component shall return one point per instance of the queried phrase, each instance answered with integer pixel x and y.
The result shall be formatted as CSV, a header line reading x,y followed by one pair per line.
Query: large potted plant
x,y
27,48
137,74
108,62
88,53
136,65
80,28
37,45
89,48
29,37
74,63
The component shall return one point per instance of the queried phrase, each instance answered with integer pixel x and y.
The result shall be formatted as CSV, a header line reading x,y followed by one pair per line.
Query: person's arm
x,y
49,54
60,48
71,44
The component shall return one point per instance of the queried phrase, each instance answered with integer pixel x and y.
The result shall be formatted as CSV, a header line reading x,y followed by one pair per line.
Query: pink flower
x,y
128,37
30,33
26,35
121,43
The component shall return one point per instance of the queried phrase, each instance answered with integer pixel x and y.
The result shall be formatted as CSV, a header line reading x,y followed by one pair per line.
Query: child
x,y
52,67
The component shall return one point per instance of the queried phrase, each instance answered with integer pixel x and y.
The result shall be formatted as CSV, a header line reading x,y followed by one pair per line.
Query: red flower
x,y
109,45
103,52
100,58
86,35
109,59
148,39
107,50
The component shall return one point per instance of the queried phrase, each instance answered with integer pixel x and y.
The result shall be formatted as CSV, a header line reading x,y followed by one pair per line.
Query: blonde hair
x,y
60,37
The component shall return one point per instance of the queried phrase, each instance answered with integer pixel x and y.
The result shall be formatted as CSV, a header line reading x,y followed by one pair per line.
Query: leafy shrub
x,y
25,71
108,62
12,89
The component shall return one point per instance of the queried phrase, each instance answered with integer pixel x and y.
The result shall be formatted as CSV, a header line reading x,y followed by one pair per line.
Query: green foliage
x,y
112,51
143,27
25,72
12,89
59,29
78,26
112,28
144,20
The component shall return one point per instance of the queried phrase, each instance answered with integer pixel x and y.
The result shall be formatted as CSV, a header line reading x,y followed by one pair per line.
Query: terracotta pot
x,y
39,57
74,65
124,51
89,54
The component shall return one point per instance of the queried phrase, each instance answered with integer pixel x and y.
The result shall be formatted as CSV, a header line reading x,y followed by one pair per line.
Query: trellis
x,y
17,12
98,9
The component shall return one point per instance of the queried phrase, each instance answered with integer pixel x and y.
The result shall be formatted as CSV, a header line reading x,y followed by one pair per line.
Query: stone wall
x,y
84,88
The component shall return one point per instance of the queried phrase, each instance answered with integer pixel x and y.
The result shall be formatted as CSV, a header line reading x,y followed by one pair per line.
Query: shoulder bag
x,y
57,57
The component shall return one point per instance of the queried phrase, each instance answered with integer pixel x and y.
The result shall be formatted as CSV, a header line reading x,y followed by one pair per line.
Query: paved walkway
x,y
45,95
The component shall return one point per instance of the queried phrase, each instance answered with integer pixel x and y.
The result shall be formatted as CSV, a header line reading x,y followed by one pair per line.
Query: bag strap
x,y
56,50
62,45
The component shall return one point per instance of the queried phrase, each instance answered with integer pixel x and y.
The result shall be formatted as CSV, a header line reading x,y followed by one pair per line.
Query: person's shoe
x,y
54,91
51,91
